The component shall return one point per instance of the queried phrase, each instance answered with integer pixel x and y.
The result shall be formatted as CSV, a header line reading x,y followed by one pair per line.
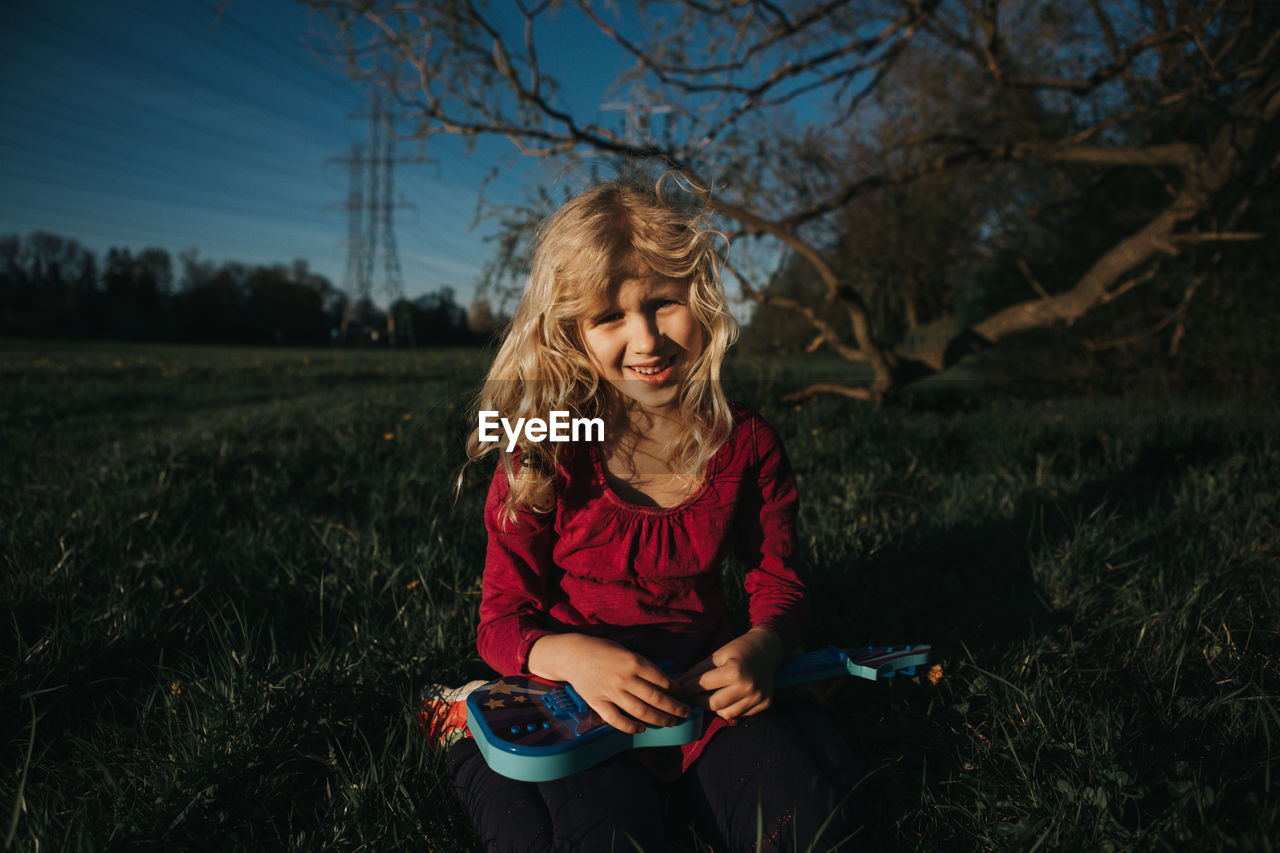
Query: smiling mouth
x,y
653,374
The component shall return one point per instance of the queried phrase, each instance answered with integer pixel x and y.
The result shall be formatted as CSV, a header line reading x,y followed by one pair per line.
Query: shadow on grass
x,y
969,590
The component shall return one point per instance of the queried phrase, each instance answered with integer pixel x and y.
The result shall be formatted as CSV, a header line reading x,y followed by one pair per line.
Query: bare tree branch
x,y
476,74
1221,237
1206,176
863,395
1178,313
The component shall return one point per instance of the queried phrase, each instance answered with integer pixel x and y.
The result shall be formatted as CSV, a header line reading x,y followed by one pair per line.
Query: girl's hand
x,y
624,688
737,680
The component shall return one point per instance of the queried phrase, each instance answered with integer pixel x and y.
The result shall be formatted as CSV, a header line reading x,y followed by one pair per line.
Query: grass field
x,y
227,573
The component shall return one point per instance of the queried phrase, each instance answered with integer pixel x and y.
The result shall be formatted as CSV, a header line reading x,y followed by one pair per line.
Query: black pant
x,y
776,777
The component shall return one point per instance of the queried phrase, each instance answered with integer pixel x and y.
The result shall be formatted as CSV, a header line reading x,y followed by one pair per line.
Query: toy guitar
x,y
535,731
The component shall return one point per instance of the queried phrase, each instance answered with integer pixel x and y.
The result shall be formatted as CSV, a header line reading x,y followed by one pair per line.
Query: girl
x,y
604,558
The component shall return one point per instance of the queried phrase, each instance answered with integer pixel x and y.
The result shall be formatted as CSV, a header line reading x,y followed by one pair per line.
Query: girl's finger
x,y
662,701
744,707
711,680
646,714
738,701
614,716
692,674
648,671
725,706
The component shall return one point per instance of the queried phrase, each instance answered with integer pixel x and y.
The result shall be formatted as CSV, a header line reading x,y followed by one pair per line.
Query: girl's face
x,y
644,339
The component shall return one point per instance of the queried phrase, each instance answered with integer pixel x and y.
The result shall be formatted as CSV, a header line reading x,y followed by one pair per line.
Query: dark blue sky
x,y
139,123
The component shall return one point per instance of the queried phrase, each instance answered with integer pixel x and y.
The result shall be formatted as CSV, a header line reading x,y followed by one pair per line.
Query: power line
x,y
81,118
99,226
130,51
224,15
105,170
115,193
205,130
466,162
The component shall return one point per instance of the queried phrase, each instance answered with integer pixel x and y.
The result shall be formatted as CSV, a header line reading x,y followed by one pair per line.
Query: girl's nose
x,y
645,334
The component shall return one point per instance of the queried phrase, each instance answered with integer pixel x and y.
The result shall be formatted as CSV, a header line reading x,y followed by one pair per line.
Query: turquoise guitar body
x,y
535,731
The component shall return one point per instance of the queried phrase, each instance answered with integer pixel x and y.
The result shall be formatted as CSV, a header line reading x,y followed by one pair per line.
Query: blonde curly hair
x,y
596,239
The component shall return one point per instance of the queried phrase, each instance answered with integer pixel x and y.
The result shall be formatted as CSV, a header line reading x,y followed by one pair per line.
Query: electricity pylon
x,y
371,231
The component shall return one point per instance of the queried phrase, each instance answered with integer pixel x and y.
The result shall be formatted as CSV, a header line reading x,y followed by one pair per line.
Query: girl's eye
x,y
604,319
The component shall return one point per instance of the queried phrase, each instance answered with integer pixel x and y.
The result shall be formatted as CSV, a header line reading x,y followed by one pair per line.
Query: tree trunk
x,y
1205,172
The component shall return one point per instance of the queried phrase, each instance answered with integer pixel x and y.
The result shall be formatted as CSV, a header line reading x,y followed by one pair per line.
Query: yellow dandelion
x,y
387,436
934,675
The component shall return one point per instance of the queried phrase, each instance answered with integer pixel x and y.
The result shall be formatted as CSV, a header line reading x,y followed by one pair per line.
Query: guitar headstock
x,y
875,662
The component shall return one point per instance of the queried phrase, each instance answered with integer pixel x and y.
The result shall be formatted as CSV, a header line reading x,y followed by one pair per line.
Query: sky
x,y
172,124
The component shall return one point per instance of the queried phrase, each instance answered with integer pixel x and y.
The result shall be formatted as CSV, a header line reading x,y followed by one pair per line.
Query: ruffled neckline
x,y
597,467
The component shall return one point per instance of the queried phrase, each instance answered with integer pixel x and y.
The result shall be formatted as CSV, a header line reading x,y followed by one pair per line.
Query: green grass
x,y
227,573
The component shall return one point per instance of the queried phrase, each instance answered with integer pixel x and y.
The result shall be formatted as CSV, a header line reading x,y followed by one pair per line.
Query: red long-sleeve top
x,y
646,577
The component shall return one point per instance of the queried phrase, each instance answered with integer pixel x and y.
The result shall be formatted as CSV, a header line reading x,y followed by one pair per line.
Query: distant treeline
x,y
51,286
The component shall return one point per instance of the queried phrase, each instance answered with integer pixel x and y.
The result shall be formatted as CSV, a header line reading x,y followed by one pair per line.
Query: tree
x,y
789,118
213,304
136,290
237,303
437,320
48,285
286,305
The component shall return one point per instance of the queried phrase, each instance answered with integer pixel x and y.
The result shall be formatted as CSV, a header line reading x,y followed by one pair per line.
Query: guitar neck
x,y
870,662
